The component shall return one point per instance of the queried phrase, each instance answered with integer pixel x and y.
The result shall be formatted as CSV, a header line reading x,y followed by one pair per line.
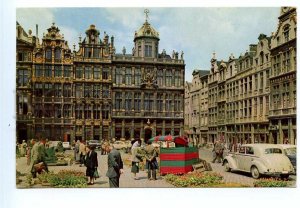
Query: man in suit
x,y
115,167
38,154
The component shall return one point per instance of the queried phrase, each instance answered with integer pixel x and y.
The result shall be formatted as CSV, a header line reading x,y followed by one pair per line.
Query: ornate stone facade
x,y
94,93
252,98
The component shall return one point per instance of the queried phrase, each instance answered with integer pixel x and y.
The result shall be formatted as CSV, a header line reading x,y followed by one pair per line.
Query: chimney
x,y
37,30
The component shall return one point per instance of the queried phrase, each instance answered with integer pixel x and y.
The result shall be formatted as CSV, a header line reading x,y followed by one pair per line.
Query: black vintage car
x,y
291,153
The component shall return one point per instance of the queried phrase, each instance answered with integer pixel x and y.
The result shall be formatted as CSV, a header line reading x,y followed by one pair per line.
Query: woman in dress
x,y
91,163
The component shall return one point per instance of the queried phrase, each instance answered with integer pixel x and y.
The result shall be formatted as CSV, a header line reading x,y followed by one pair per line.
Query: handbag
x,y
96,174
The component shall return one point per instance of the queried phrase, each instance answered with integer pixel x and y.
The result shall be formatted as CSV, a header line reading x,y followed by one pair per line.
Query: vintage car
x,y
291,152
259,159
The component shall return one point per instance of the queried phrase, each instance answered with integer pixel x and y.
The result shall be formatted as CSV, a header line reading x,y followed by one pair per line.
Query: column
x,y
113,130
29,103
280,141
123,129
142,132
154,128
132,129
163,132
110,130
172,127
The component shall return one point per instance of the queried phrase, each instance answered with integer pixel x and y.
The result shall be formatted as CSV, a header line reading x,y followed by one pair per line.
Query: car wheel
x,y
226,165
255,172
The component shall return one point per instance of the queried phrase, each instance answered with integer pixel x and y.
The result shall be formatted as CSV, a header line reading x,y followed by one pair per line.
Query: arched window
x,y
261,57
48,54
57,54
286,33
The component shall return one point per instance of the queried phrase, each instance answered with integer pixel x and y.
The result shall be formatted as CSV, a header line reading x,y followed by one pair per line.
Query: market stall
x,y
178,158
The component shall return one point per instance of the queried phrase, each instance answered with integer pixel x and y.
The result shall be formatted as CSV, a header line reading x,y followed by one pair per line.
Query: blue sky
x,y
198,32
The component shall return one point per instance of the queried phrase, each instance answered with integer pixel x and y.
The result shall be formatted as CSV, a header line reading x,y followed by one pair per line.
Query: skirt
x,y
134,167
90,172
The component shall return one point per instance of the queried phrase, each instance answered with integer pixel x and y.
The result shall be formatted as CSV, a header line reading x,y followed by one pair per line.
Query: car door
x,y
248,158
239,158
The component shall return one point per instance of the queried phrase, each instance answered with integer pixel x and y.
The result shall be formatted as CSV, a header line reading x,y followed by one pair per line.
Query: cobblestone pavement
x,y
233,177
126,180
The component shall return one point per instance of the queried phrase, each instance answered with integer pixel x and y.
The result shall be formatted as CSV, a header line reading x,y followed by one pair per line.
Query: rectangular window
x,y
88,111
148,51
22,104
79,73
159,102
137,76
67,111
48,111
67,71
87,90
57,111
97,110
38,89
105,112
78,90
105,73
119,77
96,73
88,73
38,71
96,91
57,90
168,78
177,78
22,77
78,111
169,103
87,52
128,76
261,81
118,101
128,98
67,90
57,71
160,77
177,103
96,52
48,71
137,101
105,91
38,110
48,91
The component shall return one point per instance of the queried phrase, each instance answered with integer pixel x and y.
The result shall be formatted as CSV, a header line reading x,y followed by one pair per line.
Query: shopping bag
x,y
96,174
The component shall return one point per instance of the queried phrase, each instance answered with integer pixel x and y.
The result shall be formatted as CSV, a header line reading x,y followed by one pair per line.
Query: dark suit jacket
x,y
114,163
91,160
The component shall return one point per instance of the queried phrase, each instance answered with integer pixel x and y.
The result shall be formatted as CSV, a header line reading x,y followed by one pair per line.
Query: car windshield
x,y
291,151
273,151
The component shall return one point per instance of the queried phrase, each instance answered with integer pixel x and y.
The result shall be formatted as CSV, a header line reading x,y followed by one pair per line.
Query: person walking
x,y
218,149
82,153
136,158
151,162
91,163
76,151
38,155
115,167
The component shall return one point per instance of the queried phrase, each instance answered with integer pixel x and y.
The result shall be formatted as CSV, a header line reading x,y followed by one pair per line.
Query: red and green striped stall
x,y
179,159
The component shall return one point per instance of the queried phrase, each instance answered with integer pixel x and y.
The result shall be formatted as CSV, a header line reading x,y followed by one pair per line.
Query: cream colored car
x,y
259,159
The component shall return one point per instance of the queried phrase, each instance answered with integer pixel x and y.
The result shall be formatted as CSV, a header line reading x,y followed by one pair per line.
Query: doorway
x,y
148,134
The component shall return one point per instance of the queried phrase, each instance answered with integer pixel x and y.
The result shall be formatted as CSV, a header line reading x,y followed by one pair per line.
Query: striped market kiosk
x,y
176,160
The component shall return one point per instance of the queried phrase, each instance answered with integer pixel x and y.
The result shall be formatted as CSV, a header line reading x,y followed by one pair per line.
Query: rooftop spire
x,y
146,11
